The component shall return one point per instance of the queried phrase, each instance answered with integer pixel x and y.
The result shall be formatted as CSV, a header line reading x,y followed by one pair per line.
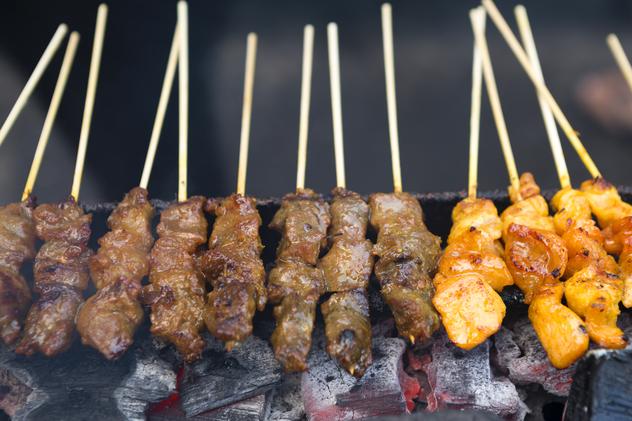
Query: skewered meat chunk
x,y
176,289
109,319
536,258
234,269
17,244
407,255
61,275
295,284
471,270
347,268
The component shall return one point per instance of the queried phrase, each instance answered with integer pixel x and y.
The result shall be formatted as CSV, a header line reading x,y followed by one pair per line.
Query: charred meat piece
x,y
407,256
176,289
347,268
295,283
109,319
61,275
17,245
234,269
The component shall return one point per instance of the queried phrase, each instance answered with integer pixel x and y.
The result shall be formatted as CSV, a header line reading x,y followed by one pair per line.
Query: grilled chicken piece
x,y
536,258
234,269
347,267
296,283
61,275
471,270
17,245
407,256
176,290
108,320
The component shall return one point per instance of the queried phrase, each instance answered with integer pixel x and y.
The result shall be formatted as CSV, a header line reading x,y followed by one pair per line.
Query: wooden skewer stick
x,y
33,80
246,112
389,70
167,84
183,94
477,18
60,87
549,121
475,121
306,92
620,57
336,102
522,57
95,64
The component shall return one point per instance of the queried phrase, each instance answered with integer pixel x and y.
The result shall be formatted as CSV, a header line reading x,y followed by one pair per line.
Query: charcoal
x,y
329,392
287,402
521,355
448,415
601,388
252,409
223,377
461,379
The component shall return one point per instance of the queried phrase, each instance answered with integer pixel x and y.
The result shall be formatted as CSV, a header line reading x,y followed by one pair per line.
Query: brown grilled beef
x,y
176,290
296,283
61,276
234,269
17,244
108,320
407,256
347,268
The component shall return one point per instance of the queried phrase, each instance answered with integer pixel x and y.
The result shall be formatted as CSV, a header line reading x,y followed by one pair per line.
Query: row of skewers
x,y
550,258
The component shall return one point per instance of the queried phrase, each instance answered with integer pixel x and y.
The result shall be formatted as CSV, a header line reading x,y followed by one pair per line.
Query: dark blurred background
x,y
433,51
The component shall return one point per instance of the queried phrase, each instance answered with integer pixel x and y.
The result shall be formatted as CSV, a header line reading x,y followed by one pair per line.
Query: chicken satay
x,y
61,275
407,255
17,245
234,269
347,268
296,283
471,271
176,290
108,320
536,258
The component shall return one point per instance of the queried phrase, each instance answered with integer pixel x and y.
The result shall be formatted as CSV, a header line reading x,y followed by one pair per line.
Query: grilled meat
x,y
108,320
176,290
61,276
347,268
234,269
17,245
471,270
295,283
407,255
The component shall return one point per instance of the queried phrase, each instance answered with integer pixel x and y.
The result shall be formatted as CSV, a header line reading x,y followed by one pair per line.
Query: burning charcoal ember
x,y
331,393
520,354
223,377
601,388
448,415
287,401
463,380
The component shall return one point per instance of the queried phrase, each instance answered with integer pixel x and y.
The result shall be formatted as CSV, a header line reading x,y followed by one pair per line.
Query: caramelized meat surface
x,y
234,269
407,254
61,275
295,283
17,245
109,319
176,289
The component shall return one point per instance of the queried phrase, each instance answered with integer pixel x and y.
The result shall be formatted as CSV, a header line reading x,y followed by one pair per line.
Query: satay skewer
x,y
306,92
336,102
620,57
183,98
249,80
475,122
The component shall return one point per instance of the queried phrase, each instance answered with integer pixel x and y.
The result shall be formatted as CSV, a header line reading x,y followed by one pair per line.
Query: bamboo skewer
x,y
249,80
520,54
167,85
389,70
477,18
336,102
620,57
183,94
58,93
306,92
549,121
95,64
33,80
475,121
